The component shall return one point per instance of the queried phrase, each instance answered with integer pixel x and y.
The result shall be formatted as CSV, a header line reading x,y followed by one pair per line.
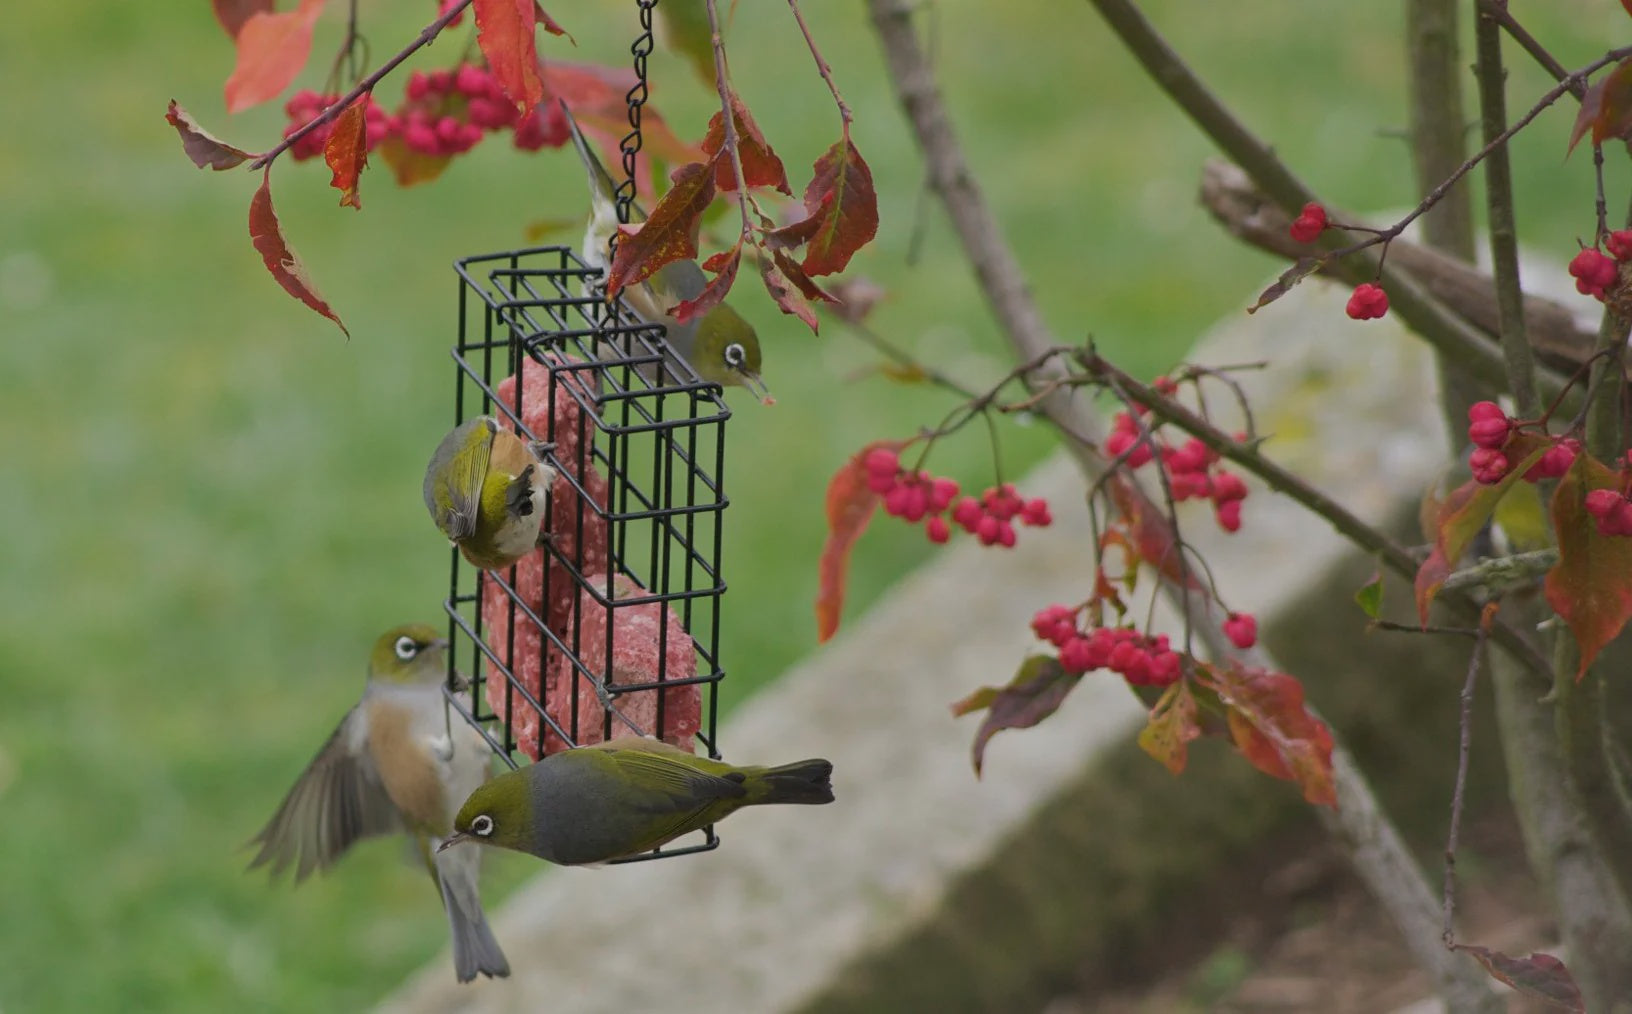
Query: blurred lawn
x,y
211,499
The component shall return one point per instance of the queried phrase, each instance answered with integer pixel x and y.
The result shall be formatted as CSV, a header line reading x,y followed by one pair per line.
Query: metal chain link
x,y
636,98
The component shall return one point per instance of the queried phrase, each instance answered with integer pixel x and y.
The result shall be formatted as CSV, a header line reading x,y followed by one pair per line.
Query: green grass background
x,y
210,500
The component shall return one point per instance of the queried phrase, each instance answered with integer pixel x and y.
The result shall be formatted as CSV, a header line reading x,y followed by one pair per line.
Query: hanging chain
x,y
635,99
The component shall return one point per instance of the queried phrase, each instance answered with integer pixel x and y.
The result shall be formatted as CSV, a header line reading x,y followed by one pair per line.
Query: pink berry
x,y
1165,668
938,530
1488,465
1241,629
1490,433
1227,486
881,482
1368,302
942,491
1480,410
1005,534
1620,244
1229,515
882,461
1555,462
1601,503
968,514
1036,513
895,501
987,530
1075,655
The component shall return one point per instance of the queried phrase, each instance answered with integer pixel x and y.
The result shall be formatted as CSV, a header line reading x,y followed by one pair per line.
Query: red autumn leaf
x,y
1172,726
773,271
1454,521
1586,113
1591,585
1273,730
1606,107
272,48
850,506
760,166
206,152
549,24
1149,530
506,31
724,264
1035,693
668,235
1541,976
267,236
841,198
233,13
346,151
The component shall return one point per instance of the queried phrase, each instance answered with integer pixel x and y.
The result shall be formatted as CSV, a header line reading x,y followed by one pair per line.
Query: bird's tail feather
x,y
475,951
806,781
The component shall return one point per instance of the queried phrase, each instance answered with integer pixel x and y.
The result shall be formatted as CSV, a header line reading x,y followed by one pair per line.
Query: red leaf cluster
x,y
506,30
272,48
1035,693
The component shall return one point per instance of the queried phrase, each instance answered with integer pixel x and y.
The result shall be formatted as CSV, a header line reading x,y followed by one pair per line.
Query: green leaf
x,y
1369,597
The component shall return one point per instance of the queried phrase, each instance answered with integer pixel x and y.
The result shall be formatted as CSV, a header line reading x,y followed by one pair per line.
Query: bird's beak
x,y
751,381
451,840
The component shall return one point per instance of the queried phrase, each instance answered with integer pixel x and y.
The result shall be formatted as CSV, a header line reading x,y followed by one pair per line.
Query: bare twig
x,y
822,67
728,120
1464,750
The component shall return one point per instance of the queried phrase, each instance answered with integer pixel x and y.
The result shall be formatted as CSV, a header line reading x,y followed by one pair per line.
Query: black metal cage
x,y
613,625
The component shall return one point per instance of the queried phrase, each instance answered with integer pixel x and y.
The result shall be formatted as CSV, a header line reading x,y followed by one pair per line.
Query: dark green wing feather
x,y
453,481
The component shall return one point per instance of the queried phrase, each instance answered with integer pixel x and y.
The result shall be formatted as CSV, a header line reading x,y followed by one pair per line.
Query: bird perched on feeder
x,y
395,763
485,489
622,798
721,345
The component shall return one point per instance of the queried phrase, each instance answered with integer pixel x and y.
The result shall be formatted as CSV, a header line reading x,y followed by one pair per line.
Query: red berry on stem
x,y
938,530
1619,243
1241,629
1601,503
1368,302
1229,515
1488,465
968,514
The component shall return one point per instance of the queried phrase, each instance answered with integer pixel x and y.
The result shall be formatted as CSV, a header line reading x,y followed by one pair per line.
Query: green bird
x,y
721,346
622,798
395,763
485,489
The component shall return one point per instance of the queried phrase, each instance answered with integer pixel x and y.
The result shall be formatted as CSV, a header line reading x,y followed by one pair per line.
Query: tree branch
x,y
1374,845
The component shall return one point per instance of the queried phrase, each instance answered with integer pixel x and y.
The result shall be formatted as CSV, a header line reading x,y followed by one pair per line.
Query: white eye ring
x,y
482,825
406,648
735,355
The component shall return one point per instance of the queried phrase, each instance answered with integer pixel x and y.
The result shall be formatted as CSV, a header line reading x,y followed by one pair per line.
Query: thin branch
x,y
1504,241
1496,10
728,120
1464,750
822,67
364,86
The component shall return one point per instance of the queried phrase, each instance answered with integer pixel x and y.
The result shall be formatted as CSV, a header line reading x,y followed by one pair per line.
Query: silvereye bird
x,y
395,763
622,798
721,346
485,489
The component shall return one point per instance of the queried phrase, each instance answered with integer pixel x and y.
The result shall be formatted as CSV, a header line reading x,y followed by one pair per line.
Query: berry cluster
x,y
1141,660
1368,302
1307,227
1594,272
1190,467
1490,429
443,112
918,496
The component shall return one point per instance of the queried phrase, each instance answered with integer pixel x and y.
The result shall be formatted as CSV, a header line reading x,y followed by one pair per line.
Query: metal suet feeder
x,y
612,626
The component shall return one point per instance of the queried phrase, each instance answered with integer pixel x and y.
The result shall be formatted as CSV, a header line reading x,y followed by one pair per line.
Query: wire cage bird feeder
x,y
611,627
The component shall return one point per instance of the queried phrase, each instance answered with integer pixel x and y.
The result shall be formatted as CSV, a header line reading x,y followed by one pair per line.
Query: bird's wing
x,y
338,800
674,776
603,209
466,473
